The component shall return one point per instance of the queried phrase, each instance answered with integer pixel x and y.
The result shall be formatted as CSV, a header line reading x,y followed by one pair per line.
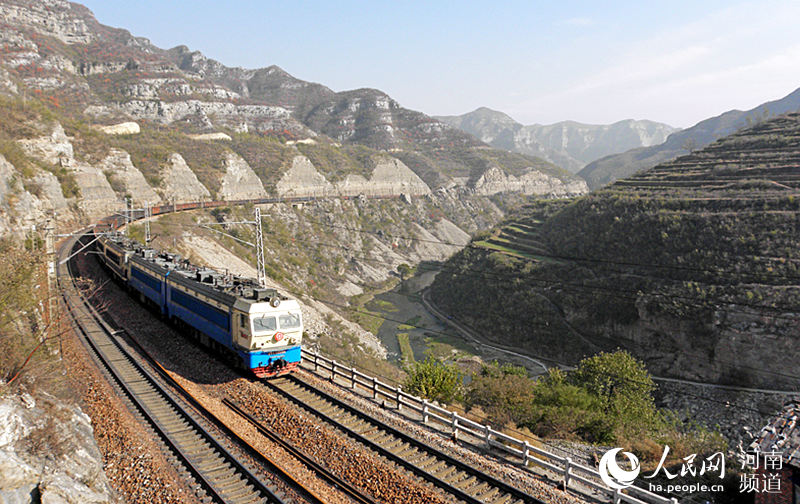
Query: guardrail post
x,y
399,398
353,378
333,370
454,424
673,500
615,498
567,467
316,362
374,388
526,451
424,411
487,435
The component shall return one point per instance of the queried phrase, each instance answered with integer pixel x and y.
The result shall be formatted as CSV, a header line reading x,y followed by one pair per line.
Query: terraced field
x,y
521,236
693,266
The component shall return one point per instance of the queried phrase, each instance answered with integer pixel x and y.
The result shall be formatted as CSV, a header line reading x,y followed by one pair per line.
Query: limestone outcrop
x,y
55,148
253,117
211,136
69,471
303,179
533,182
126,179
97,197
240,181
390,177
179,183
124,128
52,17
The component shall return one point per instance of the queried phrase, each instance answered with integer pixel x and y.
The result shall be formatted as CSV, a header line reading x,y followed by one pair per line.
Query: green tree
x,y
624,387
505,393
405,271
434,380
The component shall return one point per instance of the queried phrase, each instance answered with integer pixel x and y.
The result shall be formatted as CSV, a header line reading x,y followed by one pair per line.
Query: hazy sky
x,y
538,61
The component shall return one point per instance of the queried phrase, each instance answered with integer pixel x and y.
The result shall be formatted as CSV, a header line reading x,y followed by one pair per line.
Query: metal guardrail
x,y
571,472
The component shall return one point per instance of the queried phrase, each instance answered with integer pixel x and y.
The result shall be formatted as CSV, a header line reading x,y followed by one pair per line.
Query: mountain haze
x,y
610,168
568,144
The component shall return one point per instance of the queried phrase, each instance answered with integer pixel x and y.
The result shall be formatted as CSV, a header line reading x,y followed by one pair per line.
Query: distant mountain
x,y
608,169
568,144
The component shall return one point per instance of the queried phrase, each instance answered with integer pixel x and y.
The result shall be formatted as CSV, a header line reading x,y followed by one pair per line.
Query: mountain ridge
x,y
610,168
569,144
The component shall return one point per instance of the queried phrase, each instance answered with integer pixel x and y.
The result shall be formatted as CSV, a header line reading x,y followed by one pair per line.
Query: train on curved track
x,y
255,329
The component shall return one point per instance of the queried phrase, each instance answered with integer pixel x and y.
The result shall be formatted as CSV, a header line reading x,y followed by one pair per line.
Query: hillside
x,y
691,266
608,169
568,144
116,95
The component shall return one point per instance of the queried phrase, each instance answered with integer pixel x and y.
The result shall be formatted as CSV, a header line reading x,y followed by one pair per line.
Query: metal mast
x,y
260,266
147,223
127,217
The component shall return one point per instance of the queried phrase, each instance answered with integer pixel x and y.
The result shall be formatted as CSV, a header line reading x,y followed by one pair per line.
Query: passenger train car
x,y
257,329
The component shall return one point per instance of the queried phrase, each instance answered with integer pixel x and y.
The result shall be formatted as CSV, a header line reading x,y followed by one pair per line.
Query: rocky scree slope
x,y
617,166
692,266
568,144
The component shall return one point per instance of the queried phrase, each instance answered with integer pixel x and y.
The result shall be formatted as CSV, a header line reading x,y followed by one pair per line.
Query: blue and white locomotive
x,y
257,329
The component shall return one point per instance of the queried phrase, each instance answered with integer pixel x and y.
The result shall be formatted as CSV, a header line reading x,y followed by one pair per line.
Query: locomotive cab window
x,y
289,320
262,324
242,320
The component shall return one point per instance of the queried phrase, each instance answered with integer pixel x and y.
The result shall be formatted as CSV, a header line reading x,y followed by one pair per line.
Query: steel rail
x,y
467,483
216,470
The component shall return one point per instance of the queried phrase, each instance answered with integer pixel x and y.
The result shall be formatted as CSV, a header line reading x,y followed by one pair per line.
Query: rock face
x,y
126,179
179,183
97,199
97,196
67,466
52,17
240,181
494,181
302,179
238,117
55,149
389,177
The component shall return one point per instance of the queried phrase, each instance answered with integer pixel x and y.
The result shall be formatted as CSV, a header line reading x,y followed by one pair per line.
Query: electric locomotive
x,y
257,329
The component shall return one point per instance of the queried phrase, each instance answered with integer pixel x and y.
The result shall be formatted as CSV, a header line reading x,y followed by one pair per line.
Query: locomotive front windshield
x,y
289,320
271,323
262,324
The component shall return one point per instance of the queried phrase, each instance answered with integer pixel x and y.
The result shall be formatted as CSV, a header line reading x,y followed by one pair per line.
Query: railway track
x,y
220,475
461,480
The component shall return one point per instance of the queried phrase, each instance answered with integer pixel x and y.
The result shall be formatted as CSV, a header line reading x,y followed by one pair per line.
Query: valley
x,y
577,286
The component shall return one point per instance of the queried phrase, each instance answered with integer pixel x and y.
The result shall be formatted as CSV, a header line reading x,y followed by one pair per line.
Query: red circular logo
x,y
278,336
